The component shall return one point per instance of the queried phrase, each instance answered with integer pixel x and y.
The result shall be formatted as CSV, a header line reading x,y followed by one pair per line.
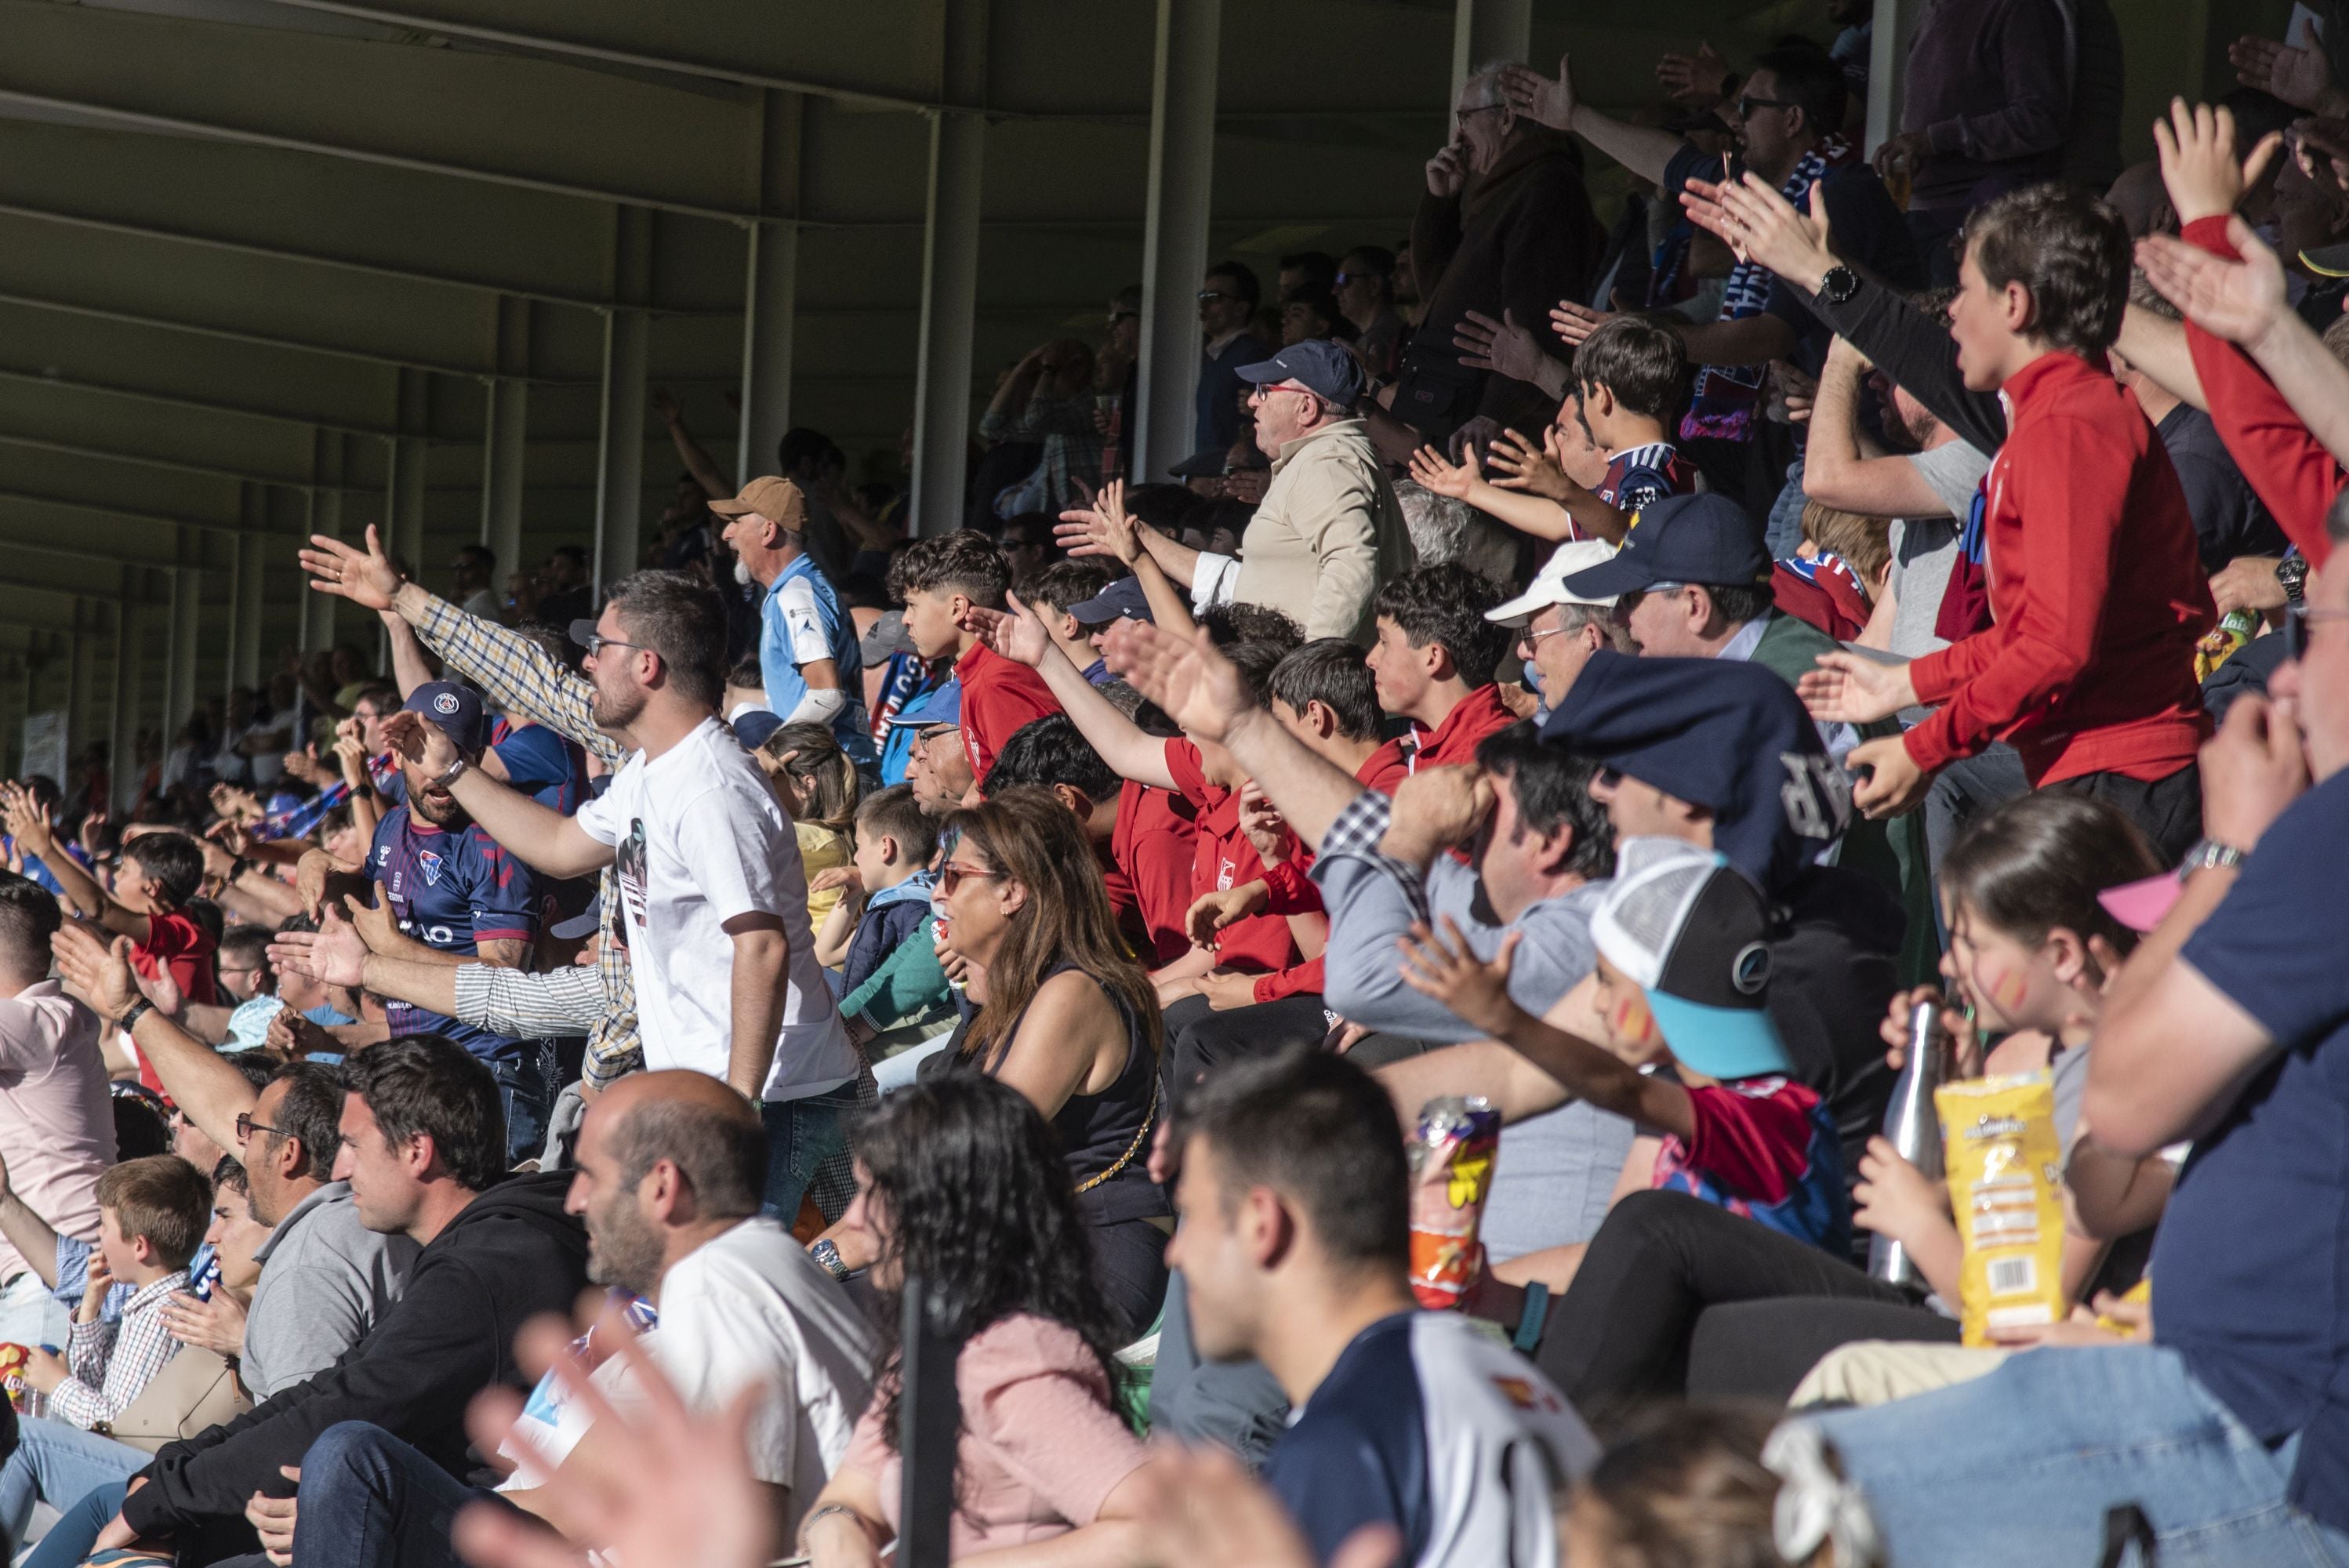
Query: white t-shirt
x,y
749,1307
700,840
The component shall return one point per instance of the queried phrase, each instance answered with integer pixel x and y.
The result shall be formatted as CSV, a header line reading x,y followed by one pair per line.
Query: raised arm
x,y
1643,150
546,841
410,663
201,1081
1019,635
1835,473
688,452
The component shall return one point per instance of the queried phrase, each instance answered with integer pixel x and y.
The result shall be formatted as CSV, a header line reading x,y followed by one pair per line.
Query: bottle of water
x,y
1913,1127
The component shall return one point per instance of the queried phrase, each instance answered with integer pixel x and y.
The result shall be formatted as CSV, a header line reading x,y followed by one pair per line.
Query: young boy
x,y
1432,664
1059,589
152,1216
1630,385
941,580
161,872
1683,974
893,992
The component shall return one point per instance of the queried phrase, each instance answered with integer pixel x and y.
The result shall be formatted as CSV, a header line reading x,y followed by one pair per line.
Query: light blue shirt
x,y
801,622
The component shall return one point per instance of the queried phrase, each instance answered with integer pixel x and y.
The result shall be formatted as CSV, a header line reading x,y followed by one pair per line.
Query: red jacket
x,y
2288,467
2097,604
1149,876
1452,743
998,697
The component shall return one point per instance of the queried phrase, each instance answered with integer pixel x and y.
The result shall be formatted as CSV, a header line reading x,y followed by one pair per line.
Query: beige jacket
x,y
1329,531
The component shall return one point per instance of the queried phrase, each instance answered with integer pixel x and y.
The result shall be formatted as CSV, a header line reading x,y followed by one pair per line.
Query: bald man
x,y
670,1170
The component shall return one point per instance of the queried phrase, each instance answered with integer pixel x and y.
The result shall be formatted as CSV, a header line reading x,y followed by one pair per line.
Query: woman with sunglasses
x,y
1066,1017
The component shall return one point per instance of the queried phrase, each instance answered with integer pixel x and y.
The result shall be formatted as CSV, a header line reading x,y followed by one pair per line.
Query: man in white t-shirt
x,y
668,1181
710,871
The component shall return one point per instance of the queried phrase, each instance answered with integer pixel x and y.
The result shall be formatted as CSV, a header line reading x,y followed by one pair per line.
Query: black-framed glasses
x,y
1466,114
596,643
1209,296
2296,618
246,1126
1749,103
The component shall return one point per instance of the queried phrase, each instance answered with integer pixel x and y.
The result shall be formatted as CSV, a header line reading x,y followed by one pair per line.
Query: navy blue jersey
x,y
540,763
452,891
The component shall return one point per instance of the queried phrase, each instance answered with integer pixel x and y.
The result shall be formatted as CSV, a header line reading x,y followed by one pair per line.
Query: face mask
x,y
1533,677
742,572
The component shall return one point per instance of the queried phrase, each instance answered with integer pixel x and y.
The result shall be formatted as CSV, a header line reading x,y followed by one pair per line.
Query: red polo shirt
x,y
1292,893
2095,590
1152,849
1451,743
998,697
1223,858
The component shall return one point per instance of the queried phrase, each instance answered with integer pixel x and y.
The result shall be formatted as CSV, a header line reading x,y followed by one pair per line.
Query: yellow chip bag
x,y
1998,1141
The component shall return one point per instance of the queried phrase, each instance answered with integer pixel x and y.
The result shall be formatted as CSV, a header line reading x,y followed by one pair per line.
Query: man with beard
x,y
668,1179
808,653
456,891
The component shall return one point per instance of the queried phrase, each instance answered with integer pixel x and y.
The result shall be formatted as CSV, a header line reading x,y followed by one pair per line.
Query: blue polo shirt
x,y
452,891
801,622
2248,1261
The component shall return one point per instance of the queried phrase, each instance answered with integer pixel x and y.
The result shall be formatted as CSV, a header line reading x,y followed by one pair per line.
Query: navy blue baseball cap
x,y
753,727
1322,367
1722,734
1702,539
943,705
456,709
1122,600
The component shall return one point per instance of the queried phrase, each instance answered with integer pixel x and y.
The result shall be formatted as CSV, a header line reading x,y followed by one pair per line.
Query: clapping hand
x,y
1502,346
2300,76
1433,472
1694,80
1519,465
1573,322
1848,689
96,973
2199,165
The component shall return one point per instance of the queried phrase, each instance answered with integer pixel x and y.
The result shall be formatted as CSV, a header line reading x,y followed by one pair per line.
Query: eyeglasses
x,y
596,643
1209,296
1466,114
1528,638
1747,105
1117,316
954,873
2296,618
246,1126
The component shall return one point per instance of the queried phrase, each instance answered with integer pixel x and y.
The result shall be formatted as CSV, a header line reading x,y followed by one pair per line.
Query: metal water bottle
x,y
1913,1127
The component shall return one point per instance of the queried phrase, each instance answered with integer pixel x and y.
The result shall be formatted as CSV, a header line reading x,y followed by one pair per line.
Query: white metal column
x,y
942,384
1175,232
243,665
1887,68
79,676
505,443
620,454
771,290
326,508
187,622
403,519
1488,30
122,759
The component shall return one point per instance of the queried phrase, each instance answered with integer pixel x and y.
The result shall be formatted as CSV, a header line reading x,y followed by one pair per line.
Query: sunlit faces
x,y
930,622
1623,1007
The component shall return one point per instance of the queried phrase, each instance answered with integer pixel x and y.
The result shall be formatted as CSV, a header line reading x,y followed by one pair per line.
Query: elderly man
x,y
808,654
1558,628
1505,229
1329,530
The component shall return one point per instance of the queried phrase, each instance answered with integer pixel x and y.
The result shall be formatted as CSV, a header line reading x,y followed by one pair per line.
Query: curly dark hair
x,y
2070,251
974,1198
966,562
1445,604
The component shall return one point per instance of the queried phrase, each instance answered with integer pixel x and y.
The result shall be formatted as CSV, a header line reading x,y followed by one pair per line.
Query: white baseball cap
x,y
1548,586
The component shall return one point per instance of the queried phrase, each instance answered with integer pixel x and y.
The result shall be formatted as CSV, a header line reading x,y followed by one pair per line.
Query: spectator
x,y
56,1126
941,580
1504,228
938,766
1227,302
1049,398
1307,272
1837,575
1559,629
1433,665
1985,104
1026,541
472,576
2229,518
423,1146
160,873
893,992
567,596
153,1215
1116,378
1313,314
1042,1455
816,785
1294,1241
2098,695
1365,290
1444,528
1056,591
709,875
808,657
670,1170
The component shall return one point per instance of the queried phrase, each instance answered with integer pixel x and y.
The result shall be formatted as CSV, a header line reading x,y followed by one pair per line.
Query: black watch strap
x,y
1838,285
138,1010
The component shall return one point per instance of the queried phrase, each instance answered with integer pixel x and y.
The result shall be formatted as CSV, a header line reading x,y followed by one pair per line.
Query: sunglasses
x,y
246,1126
2296,618
954,873
1747,105
1209,296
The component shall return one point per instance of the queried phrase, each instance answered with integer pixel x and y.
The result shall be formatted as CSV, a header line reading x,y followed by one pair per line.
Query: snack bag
x,y
1998,1137
1451,1172
12,1377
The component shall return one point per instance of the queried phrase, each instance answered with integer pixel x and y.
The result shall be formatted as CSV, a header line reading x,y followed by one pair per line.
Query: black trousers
x,y
1623,1331
1199,1038
2168,810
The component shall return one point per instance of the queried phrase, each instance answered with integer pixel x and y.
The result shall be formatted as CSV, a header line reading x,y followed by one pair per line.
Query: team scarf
x,y
1725,396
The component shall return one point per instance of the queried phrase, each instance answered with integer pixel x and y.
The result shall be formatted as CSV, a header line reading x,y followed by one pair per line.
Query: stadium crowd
x,y
1645,688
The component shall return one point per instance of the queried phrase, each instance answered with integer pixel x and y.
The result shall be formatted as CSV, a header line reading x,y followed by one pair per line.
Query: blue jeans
x,y
2018,1467
1783,531
30,1313
801,1134
526,1092
59,1462
369,1501
70,1541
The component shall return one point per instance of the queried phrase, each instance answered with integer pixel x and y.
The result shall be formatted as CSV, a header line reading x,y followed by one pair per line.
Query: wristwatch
x,y
1838,285
456,771
2291,574
2210,854
138,1010
824,1252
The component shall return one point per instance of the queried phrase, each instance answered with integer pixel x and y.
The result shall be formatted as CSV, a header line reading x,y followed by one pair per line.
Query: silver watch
x,y
2210,853
456,771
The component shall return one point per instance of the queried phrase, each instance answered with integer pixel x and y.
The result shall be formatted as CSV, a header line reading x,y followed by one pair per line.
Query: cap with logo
x,y
1548,586
1692,933
1722,734
776,498
1701,539
1122,600
457,710
1322,367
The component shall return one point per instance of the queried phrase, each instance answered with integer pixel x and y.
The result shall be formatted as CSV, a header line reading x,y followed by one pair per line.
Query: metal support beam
x,y
403,508
1887,68
244,661
950,278
771,292
1488,30
187,623
507,441
79,668
620,468
1175,237
121,754
326,516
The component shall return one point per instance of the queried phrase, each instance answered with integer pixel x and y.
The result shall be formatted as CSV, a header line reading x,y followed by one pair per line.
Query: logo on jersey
x,y
635,873
430,865
446,703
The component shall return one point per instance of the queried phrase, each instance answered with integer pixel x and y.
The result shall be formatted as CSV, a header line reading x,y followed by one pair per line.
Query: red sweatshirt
x,y
2088,666
998,697
1451,743
2288,467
